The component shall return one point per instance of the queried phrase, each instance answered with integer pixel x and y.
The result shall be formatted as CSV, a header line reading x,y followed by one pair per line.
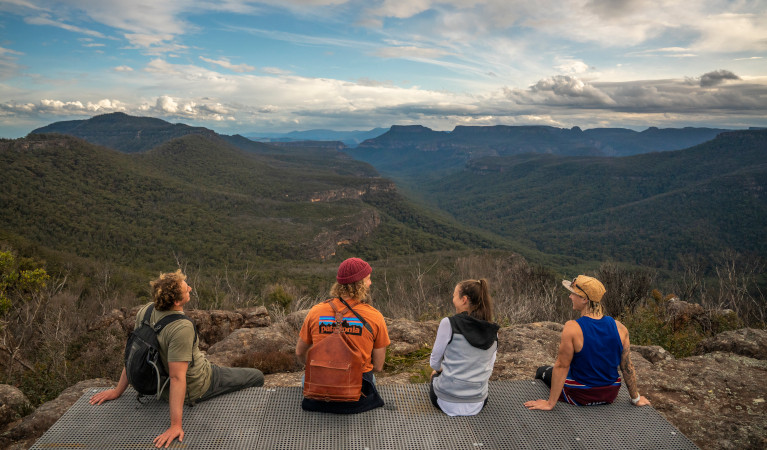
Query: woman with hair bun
x,y
464,352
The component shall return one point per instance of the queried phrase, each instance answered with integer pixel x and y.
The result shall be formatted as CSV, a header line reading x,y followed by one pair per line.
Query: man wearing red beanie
x,y
364,329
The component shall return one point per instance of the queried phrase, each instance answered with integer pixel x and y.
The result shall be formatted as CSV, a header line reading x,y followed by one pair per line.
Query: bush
x,y
268,362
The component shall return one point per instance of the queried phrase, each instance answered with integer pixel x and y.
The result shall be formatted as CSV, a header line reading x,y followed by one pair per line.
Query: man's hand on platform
x,y
168,437
105,396
642,401
543,405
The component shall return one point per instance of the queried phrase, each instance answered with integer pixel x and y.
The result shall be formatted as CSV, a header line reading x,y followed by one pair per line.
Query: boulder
x,y
681,312
24,433
256,316
716,399
749,342
408,336
215,325
13,404
524,348
249,340
652,353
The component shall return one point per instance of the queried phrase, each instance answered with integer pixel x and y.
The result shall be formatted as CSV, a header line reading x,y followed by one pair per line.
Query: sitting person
x,y
464,352
189,383
365,333
590,352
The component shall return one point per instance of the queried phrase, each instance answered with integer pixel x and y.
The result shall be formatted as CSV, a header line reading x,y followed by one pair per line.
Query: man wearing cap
x,y
366,332
590,352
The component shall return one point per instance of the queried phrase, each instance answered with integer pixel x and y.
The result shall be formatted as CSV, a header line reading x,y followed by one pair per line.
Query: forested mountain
x,y
417,151
201,200
131,134
648,209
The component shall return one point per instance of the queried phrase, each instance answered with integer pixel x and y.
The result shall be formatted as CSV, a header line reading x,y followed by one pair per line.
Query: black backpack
x,y
145,371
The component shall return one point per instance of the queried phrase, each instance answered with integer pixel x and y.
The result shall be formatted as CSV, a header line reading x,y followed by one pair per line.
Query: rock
x,y
682,312
652,353
524,348
23,433
13,404
408,336
254,317
248,340
713,398
115,316
215,325
749,342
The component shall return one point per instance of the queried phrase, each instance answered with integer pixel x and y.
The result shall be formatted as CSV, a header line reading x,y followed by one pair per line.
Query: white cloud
x,y
46,20
240,68
572,66
123,69
410,52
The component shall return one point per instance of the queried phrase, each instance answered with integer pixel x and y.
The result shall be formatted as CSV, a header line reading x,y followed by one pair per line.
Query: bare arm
x,y
561,367
627,368
111,394
378,357
302,348
176,401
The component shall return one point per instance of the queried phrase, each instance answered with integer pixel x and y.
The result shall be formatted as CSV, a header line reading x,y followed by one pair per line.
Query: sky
x,y
239,66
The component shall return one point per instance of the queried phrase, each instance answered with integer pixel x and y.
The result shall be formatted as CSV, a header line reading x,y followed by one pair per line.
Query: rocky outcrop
x,y
716,398
407,336
13,404
212,325
749,342
250,340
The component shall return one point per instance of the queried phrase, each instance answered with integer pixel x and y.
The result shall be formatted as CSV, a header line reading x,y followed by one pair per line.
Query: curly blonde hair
x,y
166,289
355,291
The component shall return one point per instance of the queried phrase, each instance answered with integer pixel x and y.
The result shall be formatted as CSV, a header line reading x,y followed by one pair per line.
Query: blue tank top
x,y
597,363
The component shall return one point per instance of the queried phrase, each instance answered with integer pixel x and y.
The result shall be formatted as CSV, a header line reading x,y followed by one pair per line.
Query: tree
x,y
22,295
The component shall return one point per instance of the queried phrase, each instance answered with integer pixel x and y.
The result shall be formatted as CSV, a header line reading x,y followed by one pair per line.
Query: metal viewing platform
x,y
272,418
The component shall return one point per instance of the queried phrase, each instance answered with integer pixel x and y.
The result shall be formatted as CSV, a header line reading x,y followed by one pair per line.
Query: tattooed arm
x,y
627,368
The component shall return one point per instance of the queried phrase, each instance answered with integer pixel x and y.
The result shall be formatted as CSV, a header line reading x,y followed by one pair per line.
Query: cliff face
x,y
716,398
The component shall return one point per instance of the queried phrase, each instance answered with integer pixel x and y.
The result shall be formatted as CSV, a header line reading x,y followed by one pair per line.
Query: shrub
x,y
268,362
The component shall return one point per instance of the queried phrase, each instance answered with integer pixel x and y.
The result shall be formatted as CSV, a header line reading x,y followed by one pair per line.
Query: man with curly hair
x,y
192,377
366,331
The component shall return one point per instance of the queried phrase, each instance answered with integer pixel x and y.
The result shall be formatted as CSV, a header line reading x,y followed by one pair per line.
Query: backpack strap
x,y
364,322
168,320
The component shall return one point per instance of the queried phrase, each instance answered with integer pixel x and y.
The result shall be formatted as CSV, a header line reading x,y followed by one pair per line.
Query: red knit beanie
x,y
353,270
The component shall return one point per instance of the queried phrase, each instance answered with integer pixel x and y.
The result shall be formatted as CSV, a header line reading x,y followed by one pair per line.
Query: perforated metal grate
x,y
267,418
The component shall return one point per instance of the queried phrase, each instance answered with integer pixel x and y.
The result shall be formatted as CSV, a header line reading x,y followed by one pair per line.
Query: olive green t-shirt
x,y
177,344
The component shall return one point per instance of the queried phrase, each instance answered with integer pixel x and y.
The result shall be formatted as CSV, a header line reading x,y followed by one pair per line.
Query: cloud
x,y
717,77
240,68
572,66
123,69
46,20
410,52
58,107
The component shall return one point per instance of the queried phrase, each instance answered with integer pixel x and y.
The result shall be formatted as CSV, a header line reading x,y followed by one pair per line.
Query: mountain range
x,y
553,195
417,151
200,198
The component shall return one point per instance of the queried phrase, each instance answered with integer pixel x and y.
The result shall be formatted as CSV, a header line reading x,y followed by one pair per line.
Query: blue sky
x,y
240,66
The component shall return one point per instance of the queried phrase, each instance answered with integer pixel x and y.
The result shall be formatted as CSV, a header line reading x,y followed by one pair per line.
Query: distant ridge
x,y
132,134
406,151
349,138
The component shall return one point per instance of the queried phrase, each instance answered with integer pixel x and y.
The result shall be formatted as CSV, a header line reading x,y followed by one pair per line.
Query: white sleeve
x,y
444,333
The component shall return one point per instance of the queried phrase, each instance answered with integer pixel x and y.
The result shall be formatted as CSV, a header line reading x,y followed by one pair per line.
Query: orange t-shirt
x,y
320,322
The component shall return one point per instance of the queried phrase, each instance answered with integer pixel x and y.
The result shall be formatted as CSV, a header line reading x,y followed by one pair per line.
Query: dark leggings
x,y
544,374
